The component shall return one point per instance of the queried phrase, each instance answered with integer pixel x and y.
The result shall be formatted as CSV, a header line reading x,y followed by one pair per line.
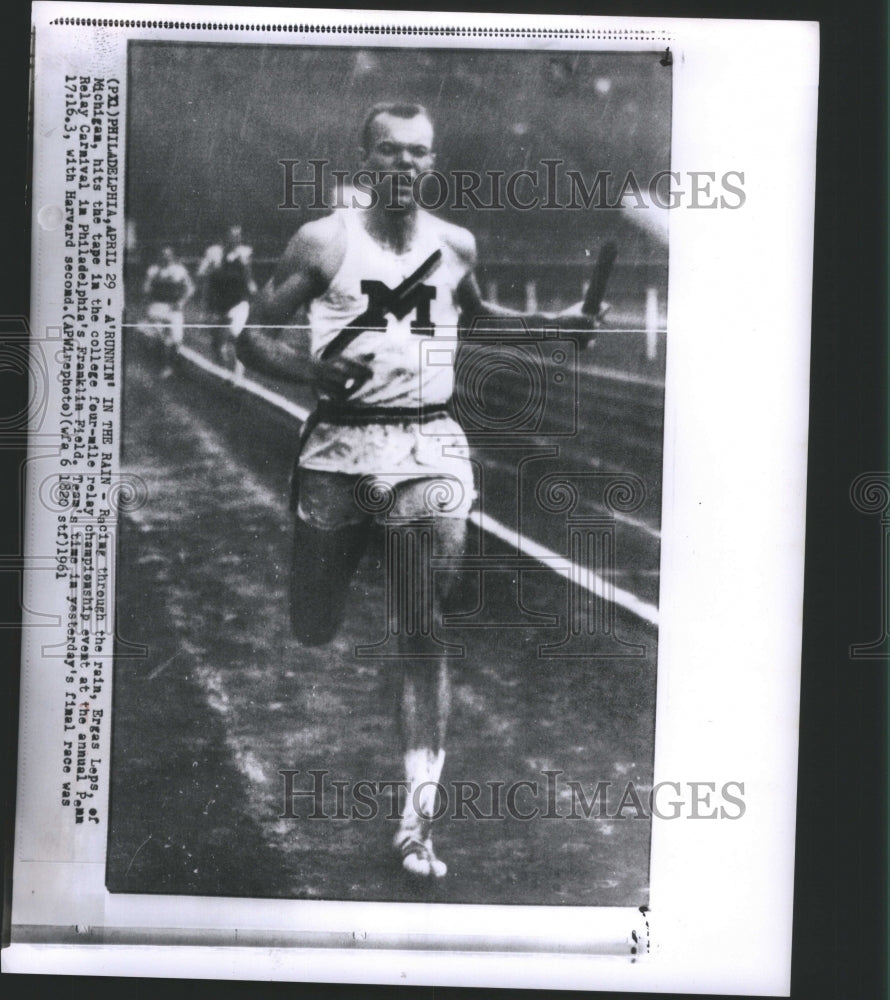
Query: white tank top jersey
x,y
408,369
401,375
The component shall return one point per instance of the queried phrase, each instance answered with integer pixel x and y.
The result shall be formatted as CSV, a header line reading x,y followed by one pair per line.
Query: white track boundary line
x,y
556,563
240,382
641,526
614,375
584,578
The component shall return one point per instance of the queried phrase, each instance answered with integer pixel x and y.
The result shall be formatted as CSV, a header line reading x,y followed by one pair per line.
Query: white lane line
x,y
639,525
294,409
618,376
584,578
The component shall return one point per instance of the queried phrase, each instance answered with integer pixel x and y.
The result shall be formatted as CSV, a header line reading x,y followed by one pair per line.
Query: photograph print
x,y
394,367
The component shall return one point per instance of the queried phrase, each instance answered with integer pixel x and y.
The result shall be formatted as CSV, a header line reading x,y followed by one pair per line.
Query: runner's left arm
x,y
149,278
188,287
572,323
252,286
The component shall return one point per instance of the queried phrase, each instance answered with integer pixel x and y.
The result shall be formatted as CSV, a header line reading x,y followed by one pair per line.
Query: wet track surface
x,y
226,699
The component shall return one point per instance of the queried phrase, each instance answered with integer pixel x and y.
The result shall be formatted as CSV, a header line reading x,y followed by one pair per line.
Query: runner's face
x,y
403,147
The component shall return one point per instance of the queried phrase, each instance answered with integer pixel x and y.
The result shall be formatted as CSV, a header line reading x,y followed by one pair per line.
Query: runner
x,y
227,275
168,286
380,283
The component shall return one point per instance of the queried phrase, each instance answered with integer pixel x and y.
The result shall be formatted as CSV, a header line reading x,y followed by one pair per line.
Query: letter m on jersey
x,y
382,300
410,296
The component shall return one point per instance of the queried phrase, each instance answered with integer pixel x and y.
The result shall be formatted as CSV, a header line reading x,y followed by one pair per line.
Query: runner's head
x,y
168,254
397,144
233,236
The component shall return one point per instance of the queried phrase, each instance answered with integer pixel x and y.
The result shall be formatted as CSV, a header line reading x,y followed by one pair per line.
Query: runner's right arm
x,y
311,260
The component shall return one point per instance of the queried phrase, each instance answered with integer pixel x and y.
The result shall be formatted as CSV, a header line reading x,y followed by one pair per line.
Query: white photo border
x,y
744,98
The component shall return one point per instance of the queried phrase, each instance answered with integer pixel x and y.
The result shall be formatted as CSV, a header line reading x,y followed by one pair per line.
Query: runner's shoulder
x,y
459,240
318,246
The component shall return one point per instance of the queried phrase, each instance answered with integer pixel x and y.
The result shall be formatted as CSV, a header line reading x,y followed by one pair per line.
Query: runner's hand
x,y
340,377
574,322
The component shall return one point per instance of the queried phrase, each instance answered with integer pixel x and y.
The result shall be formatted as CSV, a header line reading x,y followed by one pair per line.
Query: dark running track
x,y
225,699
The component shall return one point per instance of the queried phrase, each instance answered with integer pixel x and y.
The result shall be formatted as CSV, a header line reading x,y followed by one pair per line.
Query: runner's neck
x,y
393,229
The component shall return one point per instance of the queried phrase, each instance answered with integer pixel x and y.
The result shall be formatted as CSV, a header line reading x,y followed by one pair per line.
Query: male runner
x,y
167,287
227,273
378,282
